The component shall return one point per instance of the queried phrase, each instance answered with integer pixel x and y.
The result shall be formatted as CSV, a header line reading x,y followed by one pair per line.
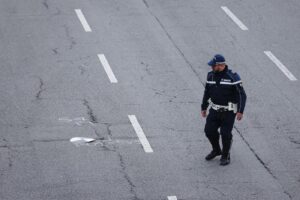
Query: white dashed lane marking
x,y
107,68
172,198
83,21
280,65
140,133
234,18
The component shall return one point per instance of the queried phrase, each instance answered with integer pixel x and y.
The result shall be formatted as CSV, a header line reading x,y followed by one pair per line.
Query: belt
x,y
221,108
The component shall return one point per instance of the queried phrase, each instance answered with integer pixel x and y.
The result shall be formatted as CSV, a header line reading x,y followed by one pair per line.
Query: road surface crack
x,y
55,51
69,37
294,140
146,3
217,190
45,3
82,69
50,140
9,154
261,161
109,135
121,163
147,69
173,42
127,178
41,89
90,112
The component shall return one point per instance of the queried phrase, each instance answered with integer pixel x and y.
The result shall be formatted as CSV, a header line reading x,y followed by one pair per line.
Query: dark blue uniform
x,y
222,88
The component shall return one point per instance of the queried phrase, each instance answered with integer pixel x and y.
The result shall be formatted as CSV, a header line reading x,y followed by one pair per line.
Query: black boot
x,y
213,154
225,158
216,148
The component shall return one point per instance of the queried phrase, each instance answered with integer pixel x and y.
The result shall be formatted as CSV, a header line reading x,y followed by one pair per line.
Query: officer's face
x,y
218,67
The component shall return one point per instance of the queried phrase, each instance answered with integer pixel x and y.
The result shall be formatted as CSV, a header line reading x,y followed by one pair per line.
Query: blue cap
x,y
217,59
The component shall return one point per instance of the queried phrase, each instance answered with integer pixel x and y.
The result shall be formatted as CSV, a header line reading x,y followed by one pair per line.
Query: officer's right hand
x,y
239,116
203,113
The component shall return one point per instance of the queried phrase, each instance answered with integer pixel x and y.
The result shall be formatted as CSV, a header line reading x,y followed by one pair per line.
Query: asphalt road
x,y
54,87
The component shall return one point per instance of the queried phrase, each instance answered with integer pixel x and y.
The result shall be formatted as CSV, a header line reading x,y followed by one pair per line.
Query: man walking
x,y
226,96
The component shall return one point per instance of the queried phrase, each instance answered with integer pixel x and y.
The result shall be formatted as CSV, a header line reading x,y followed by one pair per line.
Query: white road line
x,y
107,68
140,133
234,18
172,198
83,21
280,65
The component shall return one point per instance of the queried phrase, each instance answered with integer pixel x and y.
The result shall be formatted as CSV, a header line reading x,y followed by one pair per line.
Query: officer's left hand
x,y
239,116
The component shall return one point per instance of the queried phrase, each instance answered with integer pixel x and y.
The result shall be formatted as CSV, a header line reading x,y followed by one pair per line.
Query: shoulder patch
x,y
236,76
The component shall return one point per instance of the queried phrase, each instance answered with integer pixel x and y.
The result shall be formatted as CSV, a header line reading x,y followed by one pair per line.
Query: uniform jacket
x,y
224,87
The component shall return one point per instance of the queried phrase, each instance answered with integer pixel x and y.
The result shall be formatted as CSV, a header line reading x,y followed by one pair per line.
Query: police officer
x,y
227,99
